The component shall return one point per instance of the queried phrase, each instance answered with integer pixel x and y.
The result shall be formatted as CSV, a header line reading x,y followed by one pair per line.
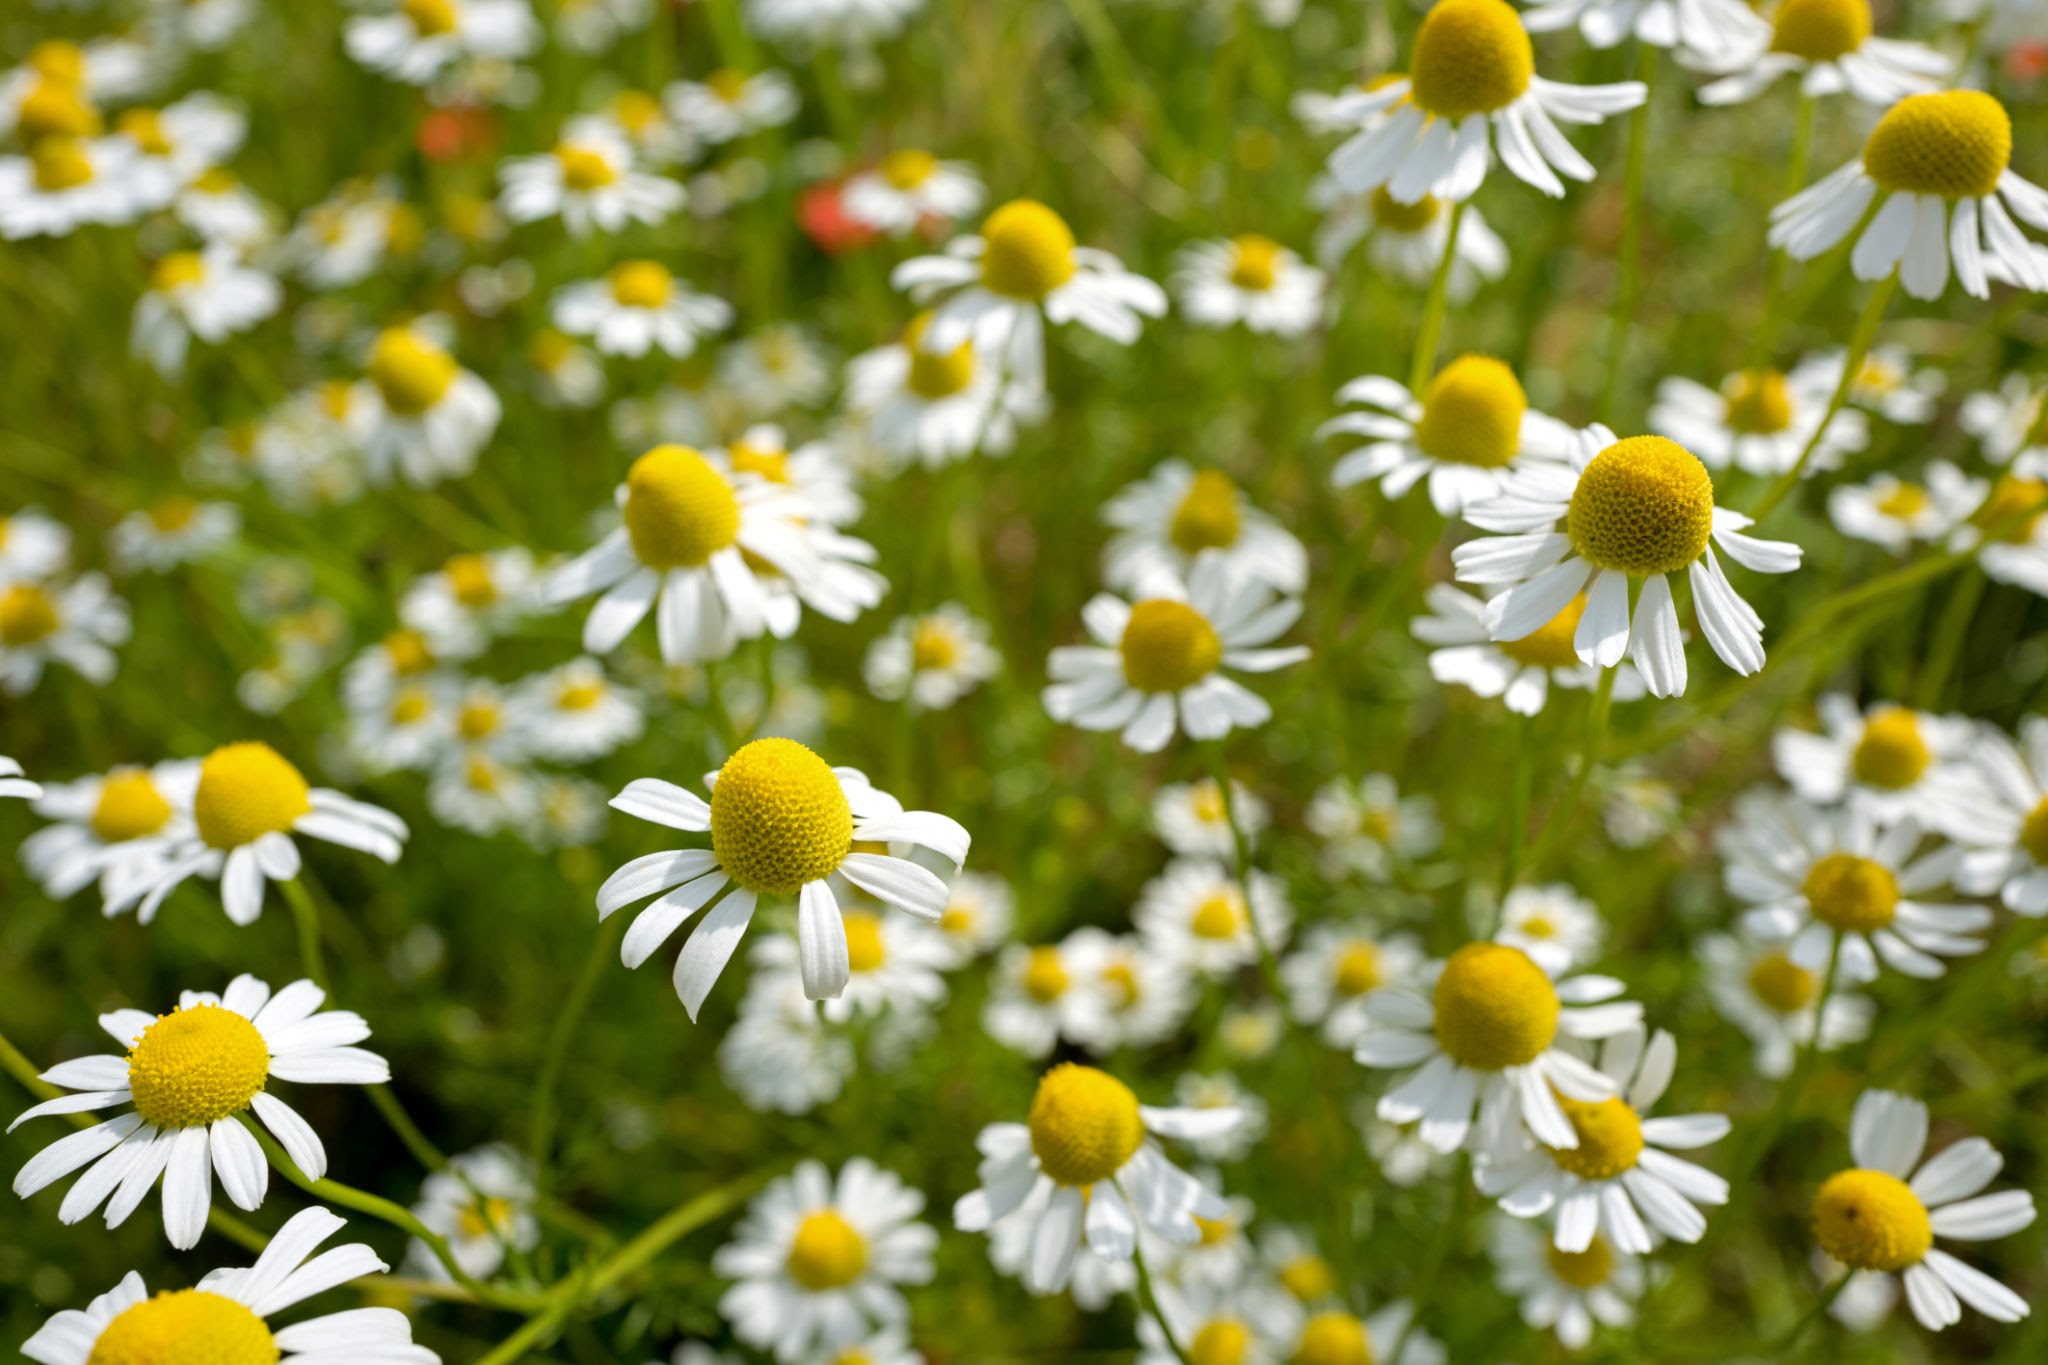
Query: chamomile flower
x,y
351,234
589,181
1022,271
435,416
1216,1324
1487,1035
1757,987
179,143
1221,1090
574,713
248,803
636,307
76,624
1759,421
1844,885
1888,382
1034,999
2008,836
1190,818
1881,1216
1470,429
1249,279
187,1076
852,24
895,964
1158,663
172,531
100,823
1899,513
1938,168
482,1205
1521,672
1336,1336
1093,1282
1829,45
781,824
32,546
1620,510
977,918
1889,760
62,82
566,373
780,1056
812,471
1367,826
1336,966
62,183
14,785
910,189
1697,26
2009,531
728,104
223,211
408,726
915,405
1133,997
1406,241
225,1317
375,674
818,1259
1087,1142
1471,89
470,598
933,660
1553,924
777,366
209,295
1197,914
1566,1292
2011,425
418,40
1176,513
595,25
1296,1265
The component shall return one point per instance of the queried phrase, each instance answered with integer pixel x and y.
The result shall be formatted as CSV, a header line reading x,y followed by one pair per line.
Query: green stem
x,y
1852,365
1149,1298
1949,634
307,919
1782,1347
541,1134
1629,285
416,1142
1424,363
1802,1063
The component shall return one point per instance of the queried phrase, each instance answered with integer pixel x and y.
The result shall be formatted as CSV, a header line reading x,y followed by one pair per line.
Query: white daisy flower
x,y
910,189
177,144
779,365
1087,1143
100,823
1882,1215
1175,513
1938,168
1522,671
642,122
2008,836
32,546
729,104
1158,663
1553,924
375,674
1828,44
1900,513
636,307
247,805
1242,1323
1132,996
14,785
225,1316
172,531
589,181
1844,885
206,294
895,964
1398,1150
780,1056
187,1076
1759,421
1757,987
977,918
1566,1292
593,26
1336,966
1250,279
349,236
482,1206
435,416
853,24
76,624
1034,1000
2009,532
1191,819
818,1259
46,94
933,408
224,211
1618,511
470,598
814,471
1388,1334
1367,826
1293,1261
1471,84
62,183
933,660
205,25
1698,26
1197,914
574,713
784,824
2011,425
408,727
1407,241
1888,760
1221,1090
1887,383
418,40
1487,1036
566,373
1469,432
1093,1282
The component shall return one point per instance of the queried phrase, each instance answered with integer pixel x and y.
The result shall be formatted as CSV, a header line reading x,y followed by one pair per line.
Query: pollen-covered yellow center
x,y
635,110
1820,30
1221,1341
1643,506
470,581
727,84
1494,1007
479,718
679,509
767,462
934,376
60,163
1471,57
246,791
1391,213
1550,645
1218,916
1308,1277
933,645
129,806
1588,1269
1759,403
1254,262
408,652
908,168
58,60
179,270
1028,250
54,109
171,515
1045,975
1782,984
827,1252
641,284
1472,413
410,705
1333,1339
1871,1220
584,168
779,817
1891,754
185,1327
1121,980
1358,968
865,951
196,1065
1852,893
1210,515
27,615
1610,1138
482,1217
1168,645
145,128
430,18
2034,832
2013,509
1906,500
411,372
1084,1124
1955,143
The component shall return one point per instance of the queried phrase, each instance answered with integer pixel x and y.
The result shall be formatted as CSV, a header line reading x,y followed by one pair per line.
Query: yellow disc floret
x,y
934,645
1472,413
1084,1124
1254,262
1045,975
470,581
1643,506
932,375
1782,984
641,284
1218,916
1333,1339
679,509
1871,1220
1308,1277
1494,1007
1820,30
54,109
1028,250
145,128
60,163
411,372
129,806
1550,644
1168,645
1471,57
2034,832
1851,893
865,950
1396,216
1890,753
584,168
2013,509
827,1252
195,1065
185,1327
1956,144
27,615
779,817
1610,1138
1221,1341
1210,515
1759,403
1588,1269
1358,969
430,18
246,791
1906,500
908,168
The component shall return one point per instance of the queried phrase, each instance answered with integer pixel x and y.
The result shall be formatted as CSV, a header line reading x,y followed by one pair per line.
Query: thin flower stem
x,y
1782,1348
1852,365
1774,280
1148,1296
563,1030
1424,363
1567,811
416,1142
1949,634
1631,247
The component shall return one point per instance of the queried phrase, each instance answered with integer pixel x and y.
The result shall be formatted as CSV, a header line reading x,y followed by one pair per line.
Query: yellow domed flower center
x,y
635,110
1494,1007
482,776
60,163
1610,1138
483,1217
779,818
1891,754
145,128
185,1327
934,376
408,652
1550,645
1255,262
1028,250
763,461
1308,1277
1588,1269
196,1065
1904,501
679,509
470,581
1396,216
410,705
1782,984
129,806
1871,1220
1168,645
1084,1124
579,694
933,645
1471,57
1358,968
1121,978
478,719
908,168
550,350
411,372
727,84
1221,1341
959,920
1210,515
1206,800
1643,506
179,270
864,948
1333,1339
1045,975
27,615
246,791
827,1252
2034,832
1472,412
2012,511
57,60
1218,917
172,515
584,168
430,18
1820,30
1851,893
1759,403
55,109
641,284
1955,144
